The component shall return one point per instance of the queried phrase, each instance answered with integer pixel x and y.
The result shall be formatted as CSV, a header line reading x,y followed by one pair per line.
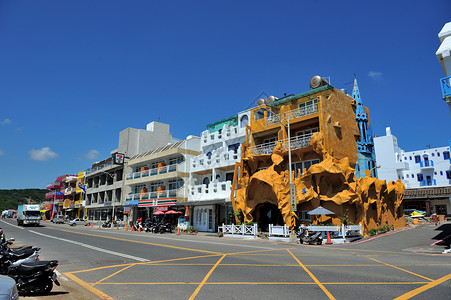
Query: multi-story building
x,y
444,57
55,197
212,171
158,179
426,173
104,180
70,195
292,121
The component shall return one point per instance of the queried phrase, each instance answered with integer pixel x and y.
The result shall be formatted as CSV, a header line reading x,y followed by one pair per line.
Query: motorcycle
x,y
309,238
34,278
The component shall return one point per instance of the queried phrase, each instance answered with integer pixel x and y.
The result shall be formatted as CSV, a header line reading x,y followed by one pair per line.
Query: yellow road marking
x,y
123,269
206,278
245,252
424,288
262,283
139,242
382,251
312,276
93,290
402,269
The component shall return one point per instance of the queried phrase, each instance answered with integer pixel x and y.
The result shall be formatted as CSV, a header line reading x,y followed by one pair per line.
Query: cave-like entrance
x,y
267,213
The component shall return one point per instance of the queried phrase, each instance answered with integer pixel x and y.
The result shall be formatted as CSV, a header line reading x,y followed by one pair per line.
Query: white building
x,y
157,179
212,171
419,169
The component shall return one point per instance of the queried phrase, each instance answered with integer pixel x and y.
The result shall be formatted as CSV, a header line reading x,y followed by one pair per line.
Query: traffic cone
x,y
139,229
117,227
99,226
92,225
178,231
126,227
132,229
328,241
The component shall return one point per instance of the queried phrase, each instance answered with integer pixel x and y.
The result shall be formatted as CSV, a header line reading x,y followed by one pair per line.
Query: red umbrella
x,y
172,212
159,212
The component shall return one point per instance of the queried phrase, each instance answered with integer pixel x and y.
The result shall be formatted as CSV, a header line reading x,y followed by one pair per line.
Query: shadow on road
x,y
444,236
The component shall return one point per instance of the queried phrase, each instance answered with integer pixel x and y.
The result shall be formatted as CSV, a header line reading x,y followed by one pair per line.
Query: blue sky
x,y
73,74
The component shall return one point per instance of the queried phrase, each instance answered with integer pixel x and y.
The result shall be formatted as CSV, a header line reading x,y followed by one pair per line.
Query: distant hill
x,y
10,199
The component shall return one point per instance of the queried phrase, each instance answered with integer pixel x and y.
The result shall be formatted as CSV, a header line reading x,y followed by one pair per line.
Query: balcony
x,y
152,172
428,182
226,133
215,190
427,164
295,143
219,158
293,114
445,83
54,185
153,195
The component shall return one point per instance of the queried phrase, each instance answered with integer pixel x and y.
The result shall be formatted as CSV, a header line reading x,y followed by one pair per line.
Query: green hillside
x,y
10,199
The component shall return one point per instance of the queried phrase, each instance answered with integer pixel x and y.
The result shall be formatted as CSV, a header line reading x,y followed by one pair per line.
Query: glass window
x,y
244,121
432,153
259,114
438,153
417,158
420,177
441,173
448,174
410,157
446,155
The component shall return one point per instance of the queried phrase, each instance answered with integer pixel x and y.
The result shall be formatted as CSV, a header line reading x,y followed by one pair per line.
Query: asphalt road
x,y
115,264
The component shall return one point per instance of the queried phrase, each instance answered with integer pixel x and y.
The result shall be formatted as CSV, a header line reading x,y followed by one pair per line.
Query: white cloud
x,y
92,154
5,122
42,154
375,75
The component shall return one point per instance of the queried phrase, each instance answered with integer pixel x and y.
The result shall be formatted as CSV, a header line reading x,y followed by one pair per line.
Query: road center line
x,y
93,247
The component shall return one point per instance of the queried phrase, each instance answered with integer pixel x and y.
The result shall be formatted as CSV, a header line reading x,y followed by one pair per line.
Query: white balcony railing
x,y
263,149
295,143
292,114
152,172
219,158
214,190
153,195
228,132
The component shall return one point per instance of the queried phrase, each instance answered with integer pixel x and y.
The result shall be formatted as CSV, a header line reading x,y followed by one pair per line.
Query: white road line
x,y
93,247
12,225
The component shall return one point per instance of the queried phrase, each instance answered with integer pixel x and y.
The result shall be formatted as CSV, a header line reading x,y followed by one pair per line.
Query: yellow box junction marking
x,y
402,269
424,288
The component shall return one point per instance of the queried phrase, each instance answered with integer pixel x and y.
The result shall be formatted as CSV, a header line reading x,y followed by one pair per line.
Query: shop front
x,y
129,212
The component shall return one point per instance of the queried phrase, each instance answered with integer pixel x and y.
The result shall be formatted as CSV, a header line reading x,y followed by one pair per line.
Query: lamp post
x,y
293,201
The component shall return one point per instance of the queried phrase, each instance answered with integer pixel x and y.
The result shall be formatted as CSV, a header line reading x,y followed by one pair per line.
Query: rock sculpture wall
x,y
331,184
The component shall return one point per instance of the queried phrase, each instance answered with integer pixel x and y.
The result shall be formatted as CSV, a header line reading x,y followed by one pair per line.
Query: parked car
x,y
8,288
59,219
77,222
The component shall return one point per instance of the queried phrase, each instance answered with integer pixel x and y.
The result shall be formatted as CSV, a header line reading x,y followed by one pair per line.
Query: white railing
x,y
153,195
262,149
341,231
296,142
227,132
152,172
248,231
215,190
280,231
272,118
219,157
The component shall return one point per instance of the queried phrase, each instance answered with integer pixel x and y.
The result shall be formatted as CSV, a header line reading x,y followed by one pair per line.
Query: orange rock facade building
x,y
323,134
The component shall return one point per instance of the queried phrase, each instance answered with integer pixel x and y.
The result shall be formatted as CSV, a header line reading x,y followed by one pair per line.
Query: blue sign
x,y
130,203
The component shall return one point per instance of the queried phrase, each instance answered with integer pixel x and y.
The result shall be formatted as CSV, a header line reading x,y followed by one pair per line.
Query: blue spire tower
x,y
365,145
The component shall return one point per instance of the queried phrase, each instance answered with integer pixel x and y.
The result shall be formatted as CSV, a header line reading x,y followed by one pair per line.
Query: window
x,y
438,153
417,159
306,133
446,155
407,175
234,147
244,121
175,184
441,173
448,174
259,114
300,166
303,215
405,157
412,175
410,157
432,154
420,177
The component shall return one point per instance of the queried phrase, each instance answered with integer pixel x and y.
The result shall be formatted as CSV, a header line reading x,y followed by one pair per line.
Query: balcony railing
x,y
153,195
214,190
446,88
295,143
293,114
219,158
428,182
427,164
227,132
152,172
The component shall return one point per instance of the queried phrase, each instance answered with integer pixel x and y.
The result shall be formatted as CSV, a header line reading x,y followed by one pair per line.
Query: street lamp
x,y
292,186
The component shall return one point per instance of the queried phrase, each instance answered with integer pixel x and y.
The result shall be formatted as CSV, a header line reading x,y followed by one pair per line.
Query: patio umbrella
x,y
171,212
159,212
320,211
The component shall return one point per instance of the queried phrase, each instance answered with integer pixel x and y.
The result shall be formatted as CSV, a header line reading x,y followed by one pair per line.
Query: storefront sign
x,y
66,203
108,203
157,202
77,204
127,210
162,208
130,203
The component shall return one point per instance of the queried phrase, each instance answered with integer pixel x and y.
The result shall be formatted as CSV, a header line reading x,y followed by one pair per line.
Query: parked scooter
x,y
34,278
309,238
